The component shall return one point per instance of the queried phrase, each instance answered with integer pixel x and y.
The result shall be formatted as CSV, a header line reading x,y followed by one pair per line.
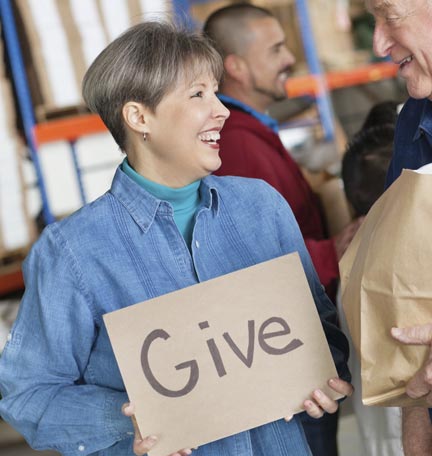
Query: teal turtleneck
x,y
184,201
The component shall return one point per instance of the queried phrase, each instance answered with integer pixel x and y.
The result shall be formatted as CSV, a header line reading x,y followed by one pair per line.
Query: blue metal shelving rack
x,y
24,98
25,106
324,105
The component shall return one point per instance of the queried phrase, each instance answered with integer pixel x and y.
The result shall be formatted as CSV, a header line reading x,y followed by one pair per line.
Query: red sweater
x,y
251,149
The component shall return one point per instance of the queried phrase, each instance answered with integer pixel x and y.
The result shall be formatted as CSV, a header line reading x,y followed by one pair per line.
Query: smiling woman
x,y
164,225
172,103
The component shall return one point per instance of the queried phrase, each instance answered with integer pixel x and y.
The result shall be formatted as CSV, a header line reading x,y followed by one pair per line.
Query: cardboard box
x,y
98,157
7,111
17,228
44,33
63,37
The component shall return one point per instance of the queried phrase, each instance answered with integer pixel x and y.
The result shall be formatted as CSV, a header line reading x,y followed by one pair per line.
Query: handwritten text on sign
x,y
215,353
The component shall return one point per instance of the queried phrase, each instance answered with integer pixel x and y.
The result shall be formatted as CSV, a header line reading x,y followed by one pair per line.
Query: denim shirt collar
x,y
425,125
143,207
263,118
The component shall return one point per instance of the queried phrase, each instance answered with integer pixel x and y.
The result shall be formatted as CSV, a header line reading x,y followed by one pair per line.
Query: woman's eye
x,y
198,95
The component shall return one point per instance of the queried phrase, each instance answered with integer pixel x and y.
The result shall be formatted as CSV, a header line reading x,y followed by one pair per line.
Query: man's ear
x,y
235,67
135,116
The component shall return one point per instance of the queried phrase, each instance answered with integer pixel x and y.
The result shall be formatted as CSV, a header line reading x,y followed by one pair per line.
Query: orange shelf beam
x,y
310,85
71,128
68,129
11,279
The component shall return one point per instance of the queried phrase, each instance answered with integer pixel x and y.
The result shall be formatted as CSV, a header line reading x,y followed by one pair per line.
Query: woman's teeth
x,y
210,136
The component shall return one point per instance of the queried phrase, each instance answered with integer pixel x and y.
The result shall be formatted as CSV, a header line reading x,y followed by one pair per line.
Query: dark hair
x,y
382,113
364,166
143,65
226,27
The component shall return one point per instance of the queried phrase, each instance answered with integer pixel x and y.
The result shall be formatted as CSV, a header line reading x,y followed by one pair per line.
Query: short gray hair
x,y
143,65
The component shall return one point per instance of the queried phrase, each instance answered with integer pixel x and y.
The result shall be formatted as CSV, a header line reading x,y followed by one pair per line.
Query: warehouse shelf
x,y
311,84
316,84
68,129
72,128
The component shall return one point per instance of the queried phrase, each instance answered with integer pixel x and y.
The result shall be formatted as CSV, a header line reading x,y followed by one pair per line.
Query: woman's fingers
x,y
128,409
313,409
341,386
142,446
321,402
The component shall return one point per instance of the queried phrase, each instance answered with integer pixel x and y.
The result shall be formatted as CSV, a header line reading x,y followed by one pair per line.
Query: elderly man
x,y
257,64
403,33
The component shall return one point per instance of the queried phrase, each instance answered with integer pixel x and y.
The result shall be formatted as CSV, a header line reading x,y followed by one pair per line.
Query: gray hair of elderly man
x,y
143,65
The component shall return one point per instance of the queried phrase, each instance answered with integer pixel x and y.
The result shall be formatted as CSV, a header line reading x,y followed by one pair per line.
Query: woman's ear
x,y
135,116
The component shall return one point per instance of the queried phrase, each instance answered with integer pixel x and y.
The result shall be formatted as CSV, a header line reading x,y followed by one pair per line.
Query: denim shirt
x,y
59,380
413,138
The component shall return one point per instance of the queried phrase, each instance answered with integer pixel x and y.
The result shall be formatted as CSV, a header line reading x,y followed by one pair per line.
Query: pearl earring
x,y
145,136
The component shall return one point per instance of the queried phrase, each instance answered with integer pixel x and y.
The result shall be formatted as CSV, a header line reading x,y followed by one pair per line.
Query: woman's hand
x,y
142,446
321,403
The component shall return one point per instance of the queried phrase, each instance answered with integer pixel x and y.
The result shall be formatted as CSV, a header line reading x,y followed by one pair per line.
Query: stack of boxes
x,y
16,229
65,36
60,39
98,157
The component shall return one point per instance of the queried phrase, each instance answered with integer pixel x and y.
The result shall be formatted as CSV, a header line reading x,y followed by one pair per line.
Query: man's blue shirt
x,y
413,138
263,118
60,384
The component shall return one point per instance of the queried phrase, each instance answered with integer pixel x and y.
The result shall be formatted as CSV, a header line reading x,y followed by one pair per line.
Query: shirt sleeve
x,y
44,395
405,129
324,258
291,239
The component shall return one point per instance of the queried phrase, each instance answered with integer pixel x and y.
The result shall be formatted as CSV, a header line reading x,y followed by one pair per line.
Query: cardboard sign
x,y
223,356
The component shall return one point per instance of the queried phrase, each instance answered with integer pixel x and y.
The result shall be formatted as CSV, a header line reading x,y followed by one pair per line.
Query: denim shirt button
x,y
81,448
197,244
9,337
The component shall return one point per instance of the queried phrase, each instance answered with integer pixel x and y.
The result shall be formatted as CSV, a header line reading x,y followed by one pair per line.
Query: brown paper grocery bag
x,y
386,279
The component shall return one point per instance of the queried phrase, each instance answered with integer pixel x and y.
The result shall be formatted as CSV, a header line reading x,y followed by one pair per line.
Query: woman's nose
x,y
220,110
